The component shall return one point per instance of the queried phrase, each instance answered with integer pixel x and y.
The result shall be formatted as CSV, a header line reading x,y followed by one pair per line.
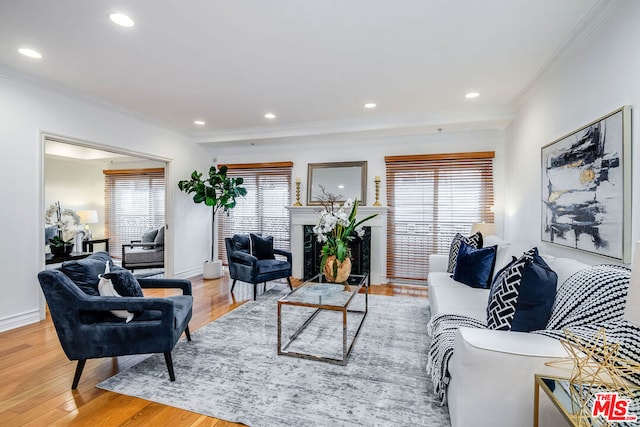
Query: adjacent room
x,y
320,213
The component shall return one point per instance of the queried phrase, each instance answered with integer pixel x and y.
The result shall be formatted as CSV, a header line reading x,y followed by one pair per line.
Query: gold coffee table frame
x,y
303,296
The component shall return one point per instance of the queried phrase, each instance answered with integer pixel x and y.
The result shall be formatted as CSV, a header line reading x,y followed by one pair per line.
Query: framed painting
x,y
586,188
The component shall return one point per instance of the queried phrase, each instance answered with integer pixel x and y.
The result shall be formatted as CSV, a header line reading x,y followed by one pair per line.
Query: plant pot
x,y
336,271
61,250
212,269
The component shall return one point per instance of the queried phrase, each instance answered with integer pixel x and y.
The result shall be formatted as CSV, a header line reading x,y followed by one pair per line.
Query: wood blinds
x,y
134,203
264,209
430,199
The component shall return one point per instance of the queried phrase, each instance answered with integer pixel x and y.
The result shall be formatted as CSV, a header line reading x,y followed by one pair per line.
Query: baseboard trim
x,y
187,274
20,319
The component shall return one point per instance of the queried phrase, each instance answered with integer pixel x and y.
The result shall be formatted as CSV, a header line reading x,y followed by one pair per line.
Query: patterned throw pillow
x,y
475,241
522,295
106,289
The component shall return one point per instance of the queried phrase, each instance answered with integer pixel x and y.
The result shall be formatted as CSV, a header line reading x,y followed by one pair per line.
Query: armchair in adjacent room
x,y
252,260
147,252
88,325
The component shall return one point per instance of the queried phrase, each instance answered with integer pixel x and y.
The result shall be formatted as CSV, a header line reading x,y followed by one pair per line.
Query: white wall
x,y
597,77
27,111
302,151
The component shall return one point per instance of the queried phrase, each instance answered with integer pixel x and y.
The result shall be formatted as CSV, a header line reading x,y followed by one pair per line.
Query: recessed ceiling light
x,y
370,105
472,95
270,116
30,53
121,19
199,122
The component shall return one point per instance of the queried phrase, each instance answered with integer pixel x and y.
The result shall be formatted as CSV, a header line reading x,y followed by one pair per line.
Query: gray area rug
x,y
231,369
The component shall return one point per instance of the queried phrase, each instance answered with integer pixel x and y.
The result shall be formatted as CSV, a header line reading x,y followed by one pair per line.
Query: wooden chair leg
x,y
76,377
233,285
167,358
187,333
289,280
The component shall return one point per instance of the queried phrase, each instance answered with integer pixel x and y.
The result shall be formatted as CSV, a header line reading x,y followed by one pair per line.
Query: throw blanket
x,y
590,299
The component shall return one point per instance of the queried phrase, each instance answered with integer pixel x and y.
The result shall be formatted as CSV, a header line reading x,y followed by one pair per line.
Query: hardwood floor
x,y
36,376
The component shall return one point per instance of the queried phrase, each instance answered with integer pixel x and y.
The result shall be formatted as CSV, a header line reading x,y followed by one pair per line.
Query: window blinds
x,y
430,199
264,209
134,203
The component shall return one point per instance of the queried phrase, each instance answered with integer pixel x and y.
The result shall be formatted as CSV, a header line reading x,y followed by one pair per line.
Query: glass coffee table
x,y
326,302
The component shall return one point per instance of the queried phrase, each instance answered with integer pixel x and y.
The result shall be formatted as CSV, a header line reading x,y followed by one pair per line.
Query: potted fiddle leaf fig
x,y
219,192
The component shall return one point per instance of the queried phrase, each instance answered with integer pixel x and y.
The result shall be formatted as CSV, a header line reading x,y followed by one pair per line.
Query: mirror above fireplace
x,y
344,179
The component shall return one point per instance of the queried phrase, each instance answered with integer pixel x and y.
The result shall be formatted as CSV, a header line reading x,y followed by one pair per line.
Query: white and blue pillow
x,y
475,241
522,295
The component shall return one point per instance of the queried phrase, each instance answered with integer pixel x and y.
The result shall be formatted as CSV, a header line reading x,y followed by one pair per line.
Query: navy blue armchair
x,y
88,330
253,263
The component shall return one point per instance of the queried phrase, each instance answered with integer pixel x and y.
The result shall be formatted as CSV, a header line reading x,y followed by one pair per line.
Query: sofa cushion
x,y
474,241
522,295
149,237
124,282
85,272
159,239
474,267
107,289
262,246
242,243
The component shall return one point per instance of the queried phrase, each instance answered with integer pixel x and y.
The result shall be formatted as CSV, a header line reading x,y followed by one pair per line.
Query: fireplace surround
x,y
302,216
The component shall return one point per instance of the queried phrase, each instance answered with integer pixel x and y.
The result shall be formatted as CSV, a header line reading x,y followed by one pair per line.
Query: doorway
x,y
74,181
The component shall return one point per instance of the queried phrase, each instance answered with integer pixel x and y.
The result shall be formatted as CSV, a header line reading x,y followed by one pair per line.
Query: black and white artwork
x,y
586,190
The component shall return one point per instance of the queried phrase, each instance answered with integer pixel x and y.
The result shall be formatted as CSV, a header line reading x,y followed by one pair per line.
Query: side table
x,y
87,245
622,413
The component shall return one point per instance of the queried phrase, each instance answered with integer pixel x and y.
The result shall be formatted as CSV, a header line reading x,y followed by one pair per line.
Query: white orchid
x,y
337,227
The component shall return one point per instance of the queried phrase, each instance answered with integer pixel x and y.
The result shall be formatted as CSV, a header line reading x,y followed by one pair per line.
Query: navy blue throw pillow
x,y
522,295
84,273
125,283
474,267
262,246
242,243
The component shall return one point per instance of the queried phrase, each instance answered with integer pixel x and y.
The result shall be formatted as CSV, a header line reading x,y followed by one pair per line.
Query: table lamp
x,y
485,228
88,217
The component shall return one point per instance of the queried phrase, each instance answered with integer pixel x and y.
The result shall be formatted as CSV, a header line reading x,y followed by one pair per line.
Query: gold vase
x,y
336,271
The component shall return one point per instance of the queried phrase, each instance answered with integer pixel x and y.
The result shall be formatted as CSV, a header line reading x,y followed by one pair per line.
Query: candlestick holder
x,y
377,181
297,203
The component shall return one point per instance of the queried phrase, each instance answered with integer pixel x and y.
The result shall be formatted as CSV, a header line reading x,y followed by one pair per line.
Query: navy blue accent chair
x,y
247,268
88,330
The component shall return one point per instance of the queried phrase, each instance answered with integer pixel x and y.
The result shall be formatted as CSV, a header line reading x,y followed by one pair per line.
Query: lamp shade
x,y
632,308
485,228
88,216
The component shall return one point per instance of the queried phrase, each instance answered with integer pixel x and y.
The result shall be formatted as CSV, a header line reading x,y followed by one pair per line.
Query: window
x,y
430,199
264,209
134,203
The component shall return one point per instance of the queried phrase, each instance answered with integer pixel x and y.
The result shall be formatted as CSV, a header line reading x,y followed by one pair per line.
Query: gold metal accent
x,y
297,203
377,202
595,364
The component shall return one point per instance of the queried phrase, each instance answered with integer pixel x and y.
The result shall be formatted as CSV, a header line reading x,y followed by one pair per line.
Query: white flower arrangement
x,y
65,219
336,227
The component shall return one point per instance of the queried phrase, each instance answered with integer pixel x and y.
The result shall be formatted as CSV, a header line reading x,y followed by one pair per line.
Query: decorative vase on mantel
x,y
336,271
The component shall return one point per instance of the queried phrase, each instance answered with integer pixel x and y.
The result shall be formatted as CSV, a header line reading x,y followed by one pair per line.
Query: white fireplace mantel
x,y
308,215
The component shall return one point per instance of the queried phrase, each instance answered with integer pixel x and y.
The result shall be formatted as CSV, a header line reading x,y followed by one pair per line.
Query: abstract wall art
x,y
586,188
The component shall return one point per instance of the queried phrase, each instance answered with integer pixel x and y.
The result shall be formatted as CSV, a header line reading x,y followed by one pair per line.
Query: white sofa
x,y
492,372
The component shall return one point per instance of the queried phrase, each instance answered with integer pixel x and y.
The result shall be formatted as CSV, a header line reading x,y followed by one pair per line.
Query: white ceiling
x,y
314,63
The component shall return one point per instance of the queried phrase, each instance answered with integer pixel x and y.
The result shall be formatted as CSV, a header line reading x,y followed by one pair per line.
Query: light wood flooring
x,y
36,376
